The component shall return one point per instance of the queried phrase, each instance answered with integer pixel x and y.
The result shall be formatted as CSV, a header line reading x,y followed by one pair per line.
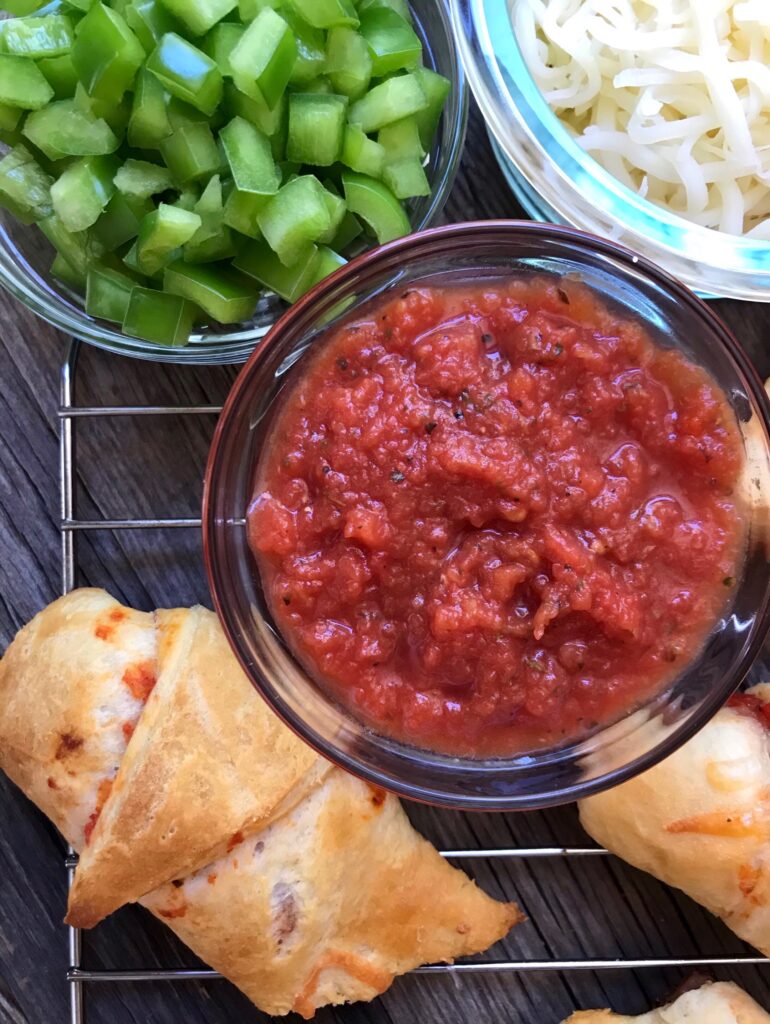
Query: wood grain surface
x,y
596,907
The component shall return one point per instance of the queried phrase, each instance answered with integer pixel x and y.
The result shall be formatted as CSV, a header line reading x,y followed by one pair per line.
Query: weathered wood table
x,y
584,908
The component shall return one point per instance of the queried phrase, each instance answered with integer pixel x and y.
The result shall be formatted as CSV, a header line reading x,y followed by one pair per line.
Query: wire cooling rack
x,y
80,977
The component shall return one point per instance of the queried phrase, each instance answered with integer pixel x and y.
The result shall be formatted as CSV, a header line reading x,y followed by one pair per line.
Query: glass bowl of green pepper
x,y
174,172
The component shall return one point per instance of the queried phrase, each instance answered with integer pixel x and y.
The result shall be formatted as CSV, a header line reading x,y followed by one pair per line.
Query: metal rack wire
x,y
79,977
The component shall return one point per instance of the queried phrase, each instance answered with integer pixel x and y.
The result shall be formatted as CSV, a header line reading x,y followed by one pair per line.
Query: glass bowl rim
x,y
356,764
496,50
231,344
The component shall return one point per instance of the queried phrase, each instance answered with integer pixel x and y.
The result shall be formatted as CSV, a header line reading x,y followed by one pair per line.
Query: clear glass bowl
x,y
467,252
556,180
25,255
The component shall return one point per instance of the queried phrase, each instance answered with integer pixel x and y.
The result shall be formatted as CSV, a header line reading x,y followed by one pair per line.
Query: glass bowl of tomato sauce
x,y
486,515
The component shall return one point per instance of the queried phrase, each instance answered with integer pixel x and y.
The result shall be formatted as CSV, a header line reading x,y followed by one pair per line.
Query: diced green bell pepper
x,y
249,9
62,129
361,153
200,16
79,248
64,272
349,230
25,188
148,125
120,221
150,21
401,7
160,318
106,54
23,84
140,179
406,178
116,115
311,48
187,72
254,173
181,114
82,192
316,126
348,62
401,139
263,60
436,89
161,233
376,205
393,43
108,293
390,101
260,262
191,153
335,205
223,293
188,197
20,8
210,209
49,36
220,43
273,123
221,246
61,75
10,117
297,215
326,13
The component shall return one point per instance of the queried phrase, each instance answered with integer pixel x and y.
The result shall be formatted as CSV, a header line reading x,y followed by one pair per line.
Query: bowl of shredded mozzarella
x,y
647,121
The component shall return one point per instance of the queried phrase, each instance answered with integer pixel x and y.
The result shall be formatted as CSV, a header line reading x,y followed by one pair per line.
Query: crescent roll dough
x,y
144,743
700,821
720,1003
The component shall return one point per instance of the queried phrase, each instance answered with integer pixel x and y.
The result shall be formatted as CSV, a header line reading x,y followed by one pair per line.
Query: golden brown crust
x,y
65,705
330,903
190,784
700,821
720,1003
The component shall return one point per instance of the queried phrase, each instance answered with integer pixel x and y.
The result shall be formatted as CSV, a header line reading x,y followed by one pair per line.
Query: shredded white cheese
x,y
670,96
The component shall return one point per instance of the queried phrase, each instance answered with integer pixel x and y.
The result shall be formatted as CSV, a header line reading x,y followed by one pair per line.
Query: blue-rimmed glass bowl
x,y
555,180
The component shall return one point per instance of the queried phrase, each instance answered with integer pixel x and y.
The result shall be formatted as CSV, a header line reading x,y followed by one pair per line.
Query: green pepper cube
x,y
200,15
335,204
273,123
106,54
61,75
149,21
49,36
263,60
376,205
210,209
117,115
393,43
191,153
120,221
311,48
218,247
436,89
260,262
326,13
25,188
220,43
20,8
23,84
406,178
79,248
254,173
297,215
249,9
155,316
349,230
108,293
227,296
86,5
361,153
10,117
316,127
148,125
401,139
348,62
161,233
401,7
187,73
82,192
140,179
391,100
66,273
63,129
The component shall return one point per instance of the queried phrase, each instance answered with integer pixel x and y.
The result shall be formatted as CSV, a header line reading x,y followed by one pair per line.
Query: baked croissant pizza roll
x,y
720,1003
700,820
142,740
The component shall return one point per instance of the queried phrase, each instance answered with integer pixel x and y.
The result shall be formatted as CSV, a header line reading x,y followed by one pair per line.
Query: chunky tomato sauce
x,y
493,517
